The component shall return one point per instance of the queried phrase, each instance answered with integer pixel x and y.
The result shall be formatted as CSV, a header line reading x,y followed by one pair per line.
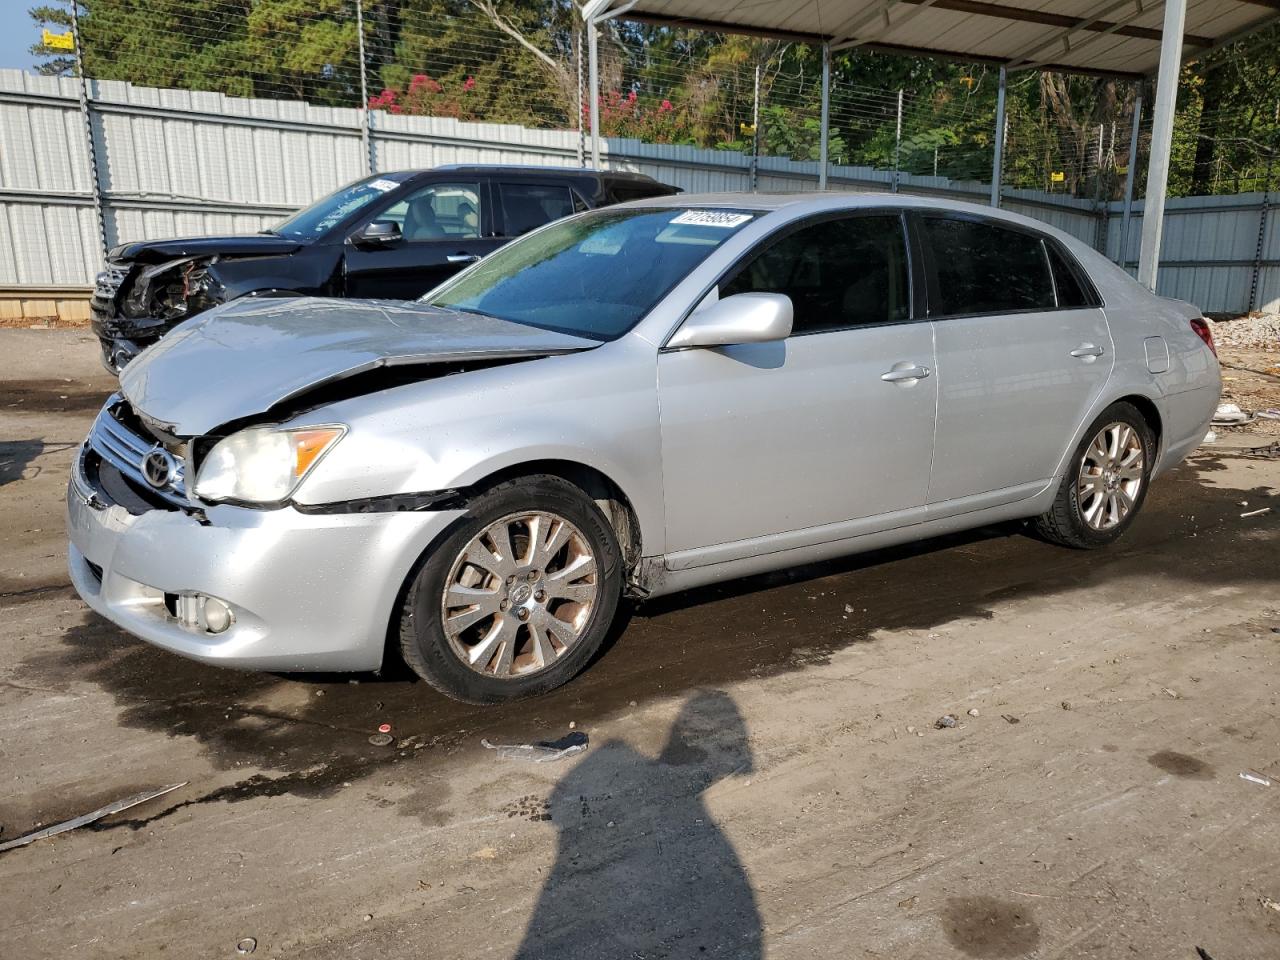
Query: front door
x,y
835,423
1023,353
444,227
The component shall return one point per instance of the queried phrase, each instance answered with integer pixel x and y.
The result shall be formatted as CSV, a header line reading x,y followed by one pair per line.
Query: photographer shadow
x,y
642,870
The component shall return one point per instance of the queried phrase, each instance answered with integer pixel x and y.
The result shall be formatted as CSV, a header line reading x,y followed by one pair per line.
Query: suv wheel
x,y
1106,481
517,598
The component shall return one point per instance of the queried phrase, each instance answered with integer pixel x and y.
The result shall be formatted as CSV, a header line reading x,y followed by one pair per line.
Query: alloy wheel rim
x,y
519,595
1112,472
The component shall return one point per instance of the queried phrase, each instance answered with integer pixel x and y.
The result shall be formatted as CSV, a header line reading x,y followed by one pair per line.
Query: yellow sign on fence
x,y
57,41
1057,176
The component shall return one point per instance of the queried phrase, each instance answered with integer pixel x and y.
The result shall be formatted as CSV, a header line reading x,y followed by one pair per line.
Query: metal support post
x,y
897,143
1129,178
1175,18
826,116
95,182
365,141
997,161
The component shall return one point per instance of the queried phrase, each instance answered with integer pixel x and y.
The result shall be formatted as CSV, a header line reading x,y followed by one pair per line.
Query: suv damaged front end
x,y
134,304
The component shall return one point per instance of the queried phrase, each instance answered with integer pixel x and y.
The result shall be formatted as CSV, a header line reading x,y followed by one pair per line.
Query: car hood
x,y
160,251
246,357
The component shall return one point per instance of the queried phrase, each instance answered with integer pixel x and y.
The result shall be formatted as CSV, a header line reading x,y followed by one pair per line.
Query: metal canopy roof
x,y
1120,37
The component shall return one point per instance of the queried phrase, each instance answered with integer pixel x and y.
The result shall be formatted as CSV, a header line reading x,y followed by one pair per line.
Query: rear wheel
x,y
1105,483
517,598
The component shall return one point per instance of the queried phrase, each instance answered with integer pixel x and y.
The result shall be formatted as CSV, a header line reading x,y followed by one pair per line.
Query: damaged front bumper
x,y
305,592
121,311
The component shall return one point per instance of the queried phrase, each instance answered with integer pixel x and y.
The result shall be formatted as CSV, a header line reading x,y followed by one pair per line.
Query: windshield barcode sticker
x,y
712,218
383,185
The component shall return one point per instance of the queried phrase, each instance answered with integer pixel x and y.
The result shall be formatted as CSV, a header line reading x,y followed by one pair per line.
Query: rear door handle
x,y
1087,350
463,257
905,371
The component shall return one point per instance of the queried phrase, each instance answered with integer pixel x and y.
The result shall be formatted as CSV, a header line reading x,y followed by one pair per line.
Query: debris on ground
x,y
1255,513
1254,777
1259,330
945,721
1271,450
1210,437
973,711
95,815
1171,694
384,728
1230,414
247,945
544,752
381,739
1010,718
1269,903
1066,704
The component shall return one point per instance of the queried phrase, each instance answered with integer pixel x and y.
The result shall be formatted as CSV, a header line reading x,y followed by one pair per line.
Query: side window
x,y
526,206
1070,293
441,211
838,273
984,268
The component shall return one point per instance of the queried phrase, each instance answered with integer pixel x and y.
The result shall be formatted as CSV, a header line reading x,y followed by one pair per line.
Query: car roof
x,y
513,169
836,200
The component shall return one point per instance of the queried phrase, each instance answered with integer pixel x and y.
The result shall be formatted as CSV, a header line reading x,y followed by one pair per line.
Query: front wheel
x,y
1105,483
517,598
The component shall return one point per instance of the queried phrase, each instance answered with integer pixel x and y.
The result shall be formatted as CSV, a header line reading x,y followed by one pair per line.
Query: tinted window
x,y
594,275
838,273
1070,292
983,268
442,211
526,206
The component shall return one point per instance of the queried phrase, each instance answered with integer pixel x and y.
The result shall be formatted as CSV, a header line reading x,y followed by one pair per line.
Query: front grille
x,y
116,439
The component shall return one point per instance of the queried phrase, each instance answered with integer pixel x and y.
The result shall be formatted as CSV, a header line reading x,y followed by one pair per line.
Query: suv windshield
x,y
594,275
310,222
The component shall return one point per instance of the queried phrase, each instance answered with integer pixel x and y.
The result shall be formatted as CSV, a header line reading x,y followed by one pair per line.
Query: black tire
x,y
1063,523
424,644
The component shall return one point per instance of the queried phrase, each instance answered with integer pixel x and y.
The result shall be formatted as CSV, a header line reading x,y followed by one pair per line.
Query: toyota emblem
x,y
159,467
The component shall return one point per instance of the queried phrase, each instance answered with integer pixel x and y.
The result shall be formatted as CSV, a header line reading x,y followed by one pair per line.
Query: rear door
x,y
1023,352
778,440
444,226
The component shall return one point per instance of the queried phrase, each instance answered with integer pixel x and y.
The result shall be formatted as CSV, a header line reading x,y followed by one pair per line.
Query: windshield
x,y
594,275
312,221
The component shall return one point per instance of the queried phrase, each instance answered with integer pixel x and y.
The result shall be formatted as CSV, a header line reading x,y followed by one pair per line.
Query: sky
x,y
17,33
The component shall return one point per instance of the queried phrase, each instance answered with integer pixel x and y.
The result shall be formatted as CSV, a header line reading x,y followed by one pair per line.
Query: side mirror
x,y
378,232
742,318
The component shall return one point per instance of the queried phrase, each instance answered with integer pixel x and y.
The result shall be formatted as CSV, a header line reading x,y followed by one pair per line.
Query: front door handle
x,y
463,257
1087,350
905,371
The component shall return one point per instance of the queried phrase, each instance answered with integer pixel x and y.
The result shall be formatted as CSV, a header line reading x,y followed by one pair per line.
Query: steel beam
x,y
1175,18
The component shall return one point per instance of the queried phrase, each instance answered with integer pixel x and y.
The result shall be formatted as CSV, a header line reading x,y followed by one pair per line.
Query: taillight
x,y
1201,327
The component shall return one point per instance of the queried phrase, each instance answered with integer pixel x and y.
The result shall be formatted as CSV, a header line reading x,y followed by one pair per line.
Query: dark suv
x,y
391,235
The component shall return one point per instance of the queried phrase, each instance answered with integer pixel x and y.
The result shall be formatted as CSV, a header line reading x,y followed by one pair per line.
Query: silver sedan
x,y
626,403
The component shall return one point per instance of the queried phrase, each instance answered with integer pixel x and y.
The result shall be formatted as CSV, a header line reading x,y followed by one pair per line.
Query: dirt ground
x,y
764,777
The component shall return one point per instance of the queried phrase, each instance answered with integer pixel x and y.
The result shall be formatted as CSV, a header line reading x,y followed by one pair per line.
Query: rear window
x,y
984,268
1072,293
594,275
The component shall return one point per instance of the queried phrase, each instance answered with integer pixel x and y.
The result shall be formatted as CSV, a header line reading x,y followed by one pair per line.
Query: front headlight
x,y
263,464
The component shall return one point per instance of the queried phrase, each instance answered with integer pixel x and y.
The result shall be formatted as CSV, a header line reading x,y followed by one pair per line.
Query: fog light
x,y
196,611
217,615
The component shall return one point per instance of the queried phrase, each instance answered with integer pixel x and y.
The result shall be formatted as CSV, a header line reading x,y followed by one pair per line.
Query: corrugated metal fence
x,y
177,162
